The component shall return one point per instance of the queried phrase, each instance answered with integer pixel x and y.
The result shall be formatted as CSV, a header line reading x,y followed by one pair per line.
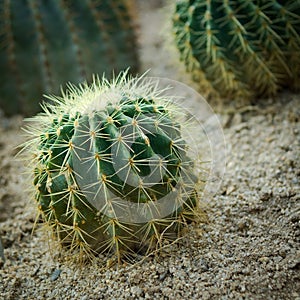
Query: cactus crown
x,y
240,48
112,171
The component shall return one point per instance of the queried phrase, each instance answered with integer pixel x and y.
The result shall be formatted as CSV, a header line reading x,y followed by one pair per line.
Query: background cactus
x,y
239,48
112,170
44,44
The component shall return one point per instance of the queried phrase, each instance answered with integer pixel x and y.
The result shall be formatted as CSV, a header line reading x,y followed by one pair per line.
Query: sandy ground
x,y
248,250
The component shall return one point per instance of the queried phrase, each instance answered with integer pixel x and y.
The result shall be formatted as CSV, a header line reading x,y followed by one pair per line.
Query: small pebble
x,y
2,257
55,274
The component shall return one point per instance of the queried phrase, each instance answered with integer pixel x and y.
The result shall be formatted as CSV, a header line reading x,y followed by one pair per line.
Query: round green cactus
x,y
239,48
112,171
46,43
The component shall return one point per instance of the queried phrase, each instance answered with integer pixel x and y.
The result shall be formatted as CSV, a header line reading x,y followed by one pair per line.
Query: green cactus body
x,y
112,170
239,48
45,44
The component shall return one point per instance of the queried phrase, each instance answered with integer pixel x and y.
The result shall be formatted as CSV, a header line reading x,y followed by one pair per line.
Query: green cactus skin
x,y
112,141
239,48
45,44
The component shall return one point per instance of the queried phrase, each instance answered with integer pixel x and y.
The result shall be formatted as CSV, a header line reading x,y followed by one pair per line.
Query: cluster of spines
x,y
45,44
77,221
240,48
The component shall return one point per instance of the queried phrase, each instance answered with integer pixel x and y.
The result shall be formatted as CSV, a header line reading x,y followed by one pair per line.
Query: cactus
x,y
239,48
45,44
112,170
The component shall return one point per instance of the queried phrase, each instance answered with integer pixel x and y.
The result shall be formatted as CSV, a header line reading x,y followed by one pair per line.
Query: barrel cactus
x,y
112,171
239,48
46,43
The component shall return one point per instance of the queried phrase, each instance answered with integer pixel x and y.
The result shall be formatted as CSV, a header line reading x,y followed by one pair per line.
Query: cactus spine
x,y
239,48
112,171
45,44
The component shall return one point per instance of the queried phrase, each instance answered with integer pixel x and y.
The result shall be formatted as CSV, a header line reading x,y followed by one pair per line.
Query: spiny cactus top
x,y
240,48
112,170
47,43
